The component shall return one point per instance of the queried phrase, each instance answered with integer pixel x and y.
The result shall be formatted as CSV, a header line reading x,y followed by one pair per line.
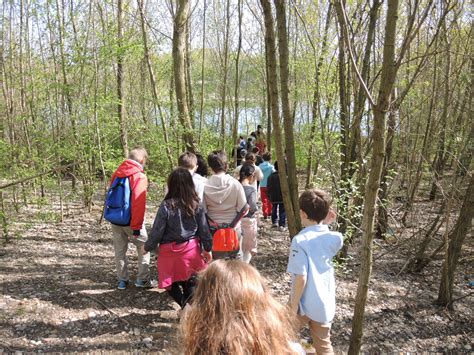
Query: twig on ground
x,y
106,308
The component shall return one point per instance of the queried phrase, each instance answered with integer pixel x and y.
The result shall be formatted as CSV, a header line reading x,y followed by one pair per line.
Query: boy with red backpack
x,y
125,209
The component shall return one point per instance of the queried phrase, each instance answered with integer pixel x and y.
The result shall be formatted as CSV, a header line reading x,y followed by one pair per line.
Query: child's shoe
x,y
122,285
274,225
143,284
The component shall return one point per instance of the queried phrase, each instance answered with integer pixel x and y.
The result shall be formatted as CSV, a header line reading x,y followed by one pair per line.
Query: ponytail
x,y
246,171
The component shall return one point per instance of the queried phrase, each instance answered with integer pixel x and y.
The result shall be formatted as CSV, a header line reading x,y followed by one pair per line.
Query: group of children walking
x,y
183,239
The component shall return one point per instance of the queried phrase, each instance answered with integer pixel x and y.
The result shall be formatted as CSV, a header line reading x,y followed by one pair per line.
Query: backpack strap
x,y
240,215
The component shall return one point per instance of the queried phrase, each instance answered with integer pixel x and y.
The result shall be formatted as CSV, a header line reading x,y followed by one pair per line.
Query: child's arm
x,y
298,286
298,266
159,227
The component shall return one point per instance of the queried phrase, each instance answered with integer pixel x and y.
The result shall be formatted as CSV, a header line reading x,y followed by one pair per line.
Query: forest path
x,y
59,294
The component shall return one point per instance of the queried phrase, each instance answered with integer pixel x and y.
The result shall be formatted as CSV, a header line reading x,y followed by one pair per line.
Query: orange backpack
x,y
224,236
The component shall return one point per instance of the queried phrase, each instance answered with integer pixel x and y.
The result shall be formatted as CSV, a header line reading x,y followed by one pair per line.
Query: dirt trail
x,y
59,295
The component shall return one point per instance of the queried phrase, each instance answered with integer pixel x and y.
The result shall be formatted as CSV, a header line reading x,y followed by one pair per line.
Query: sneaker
x,y
143,284
274,225
122,285
282,229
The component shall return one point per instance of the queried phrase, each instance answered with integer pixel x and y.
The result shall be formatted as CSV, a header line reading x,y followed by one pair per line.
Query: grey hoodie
x,y
224,197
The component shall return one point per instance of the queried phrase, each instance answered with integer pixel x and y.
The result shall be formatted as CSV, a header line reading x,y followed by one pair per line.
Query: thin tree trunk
x,y
201,109
235,126
316,102
269,104
373,183
355,143
120,98
270,46
224,80
382,215
189,83
288,120
179,39
344,155
456,239
419,171
153,84
3,215
440,157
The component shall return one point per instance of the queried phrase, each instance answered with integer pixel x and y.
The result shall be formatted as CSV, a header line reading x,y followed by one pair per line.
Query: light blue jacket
x,y
267,170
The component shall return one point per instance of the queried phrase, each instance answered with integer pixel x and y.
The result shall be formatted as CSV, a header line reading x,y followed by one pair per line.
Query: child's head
x,y
188,160
138,154
250,158
233,312
315,204
247,171
181,193
202,168
267,156
217,161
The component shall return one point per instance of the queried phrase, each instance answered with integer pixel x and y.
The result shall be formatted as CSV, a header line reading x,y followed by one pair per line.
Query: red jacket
x,y
138,185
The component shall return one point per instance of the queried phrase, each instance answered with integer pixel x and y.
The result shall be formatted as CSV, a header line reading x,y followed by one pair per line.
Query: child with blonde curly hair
x,y
233,312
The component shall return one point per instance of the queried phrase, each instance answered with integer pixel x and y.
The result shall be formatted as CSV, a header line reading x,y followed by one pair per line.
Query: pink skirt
x,y
178,262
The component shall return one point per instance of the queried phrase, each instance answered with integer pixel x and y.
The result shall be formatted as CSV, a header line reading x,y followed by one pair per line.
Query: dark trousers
x,y
278,211
182,291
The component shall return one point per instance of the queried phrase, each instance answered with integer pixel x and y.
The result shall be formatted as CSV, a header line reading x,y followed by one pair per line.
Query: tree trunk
x,y
153,83
120,99
316,103
269,105
344,156
270,46
382,215
224,80
189,81
440,157
355,143
179,39
288,120
201,110
419,170
235,126
456,239
373,183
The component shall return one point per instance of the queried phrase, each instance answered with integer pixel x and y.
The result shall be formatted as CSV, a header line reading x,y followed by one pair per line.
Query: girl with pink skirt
x,y
181,231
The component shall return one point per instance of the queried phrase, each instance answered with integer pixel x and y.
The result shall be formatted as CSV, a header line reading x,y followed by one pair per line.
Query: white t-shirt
x,y
199,182
311,254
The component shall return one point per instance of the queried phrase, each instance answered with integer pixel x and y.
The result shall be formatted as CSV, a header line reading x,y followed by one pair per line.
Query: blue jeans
x,y
278,208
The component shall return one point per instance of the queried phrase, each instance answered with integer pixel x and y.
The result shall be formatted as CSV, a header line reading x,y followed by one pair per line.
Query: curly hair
x,y
233,312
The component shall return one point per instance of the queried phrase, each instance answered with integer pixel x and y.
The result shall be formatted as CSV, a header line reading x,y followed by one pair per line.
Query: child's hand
x,y
207,256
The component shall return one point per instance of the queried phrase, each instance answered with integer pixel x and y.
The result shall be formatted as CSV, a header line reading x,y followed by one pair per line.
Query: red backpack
x,y
224,235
